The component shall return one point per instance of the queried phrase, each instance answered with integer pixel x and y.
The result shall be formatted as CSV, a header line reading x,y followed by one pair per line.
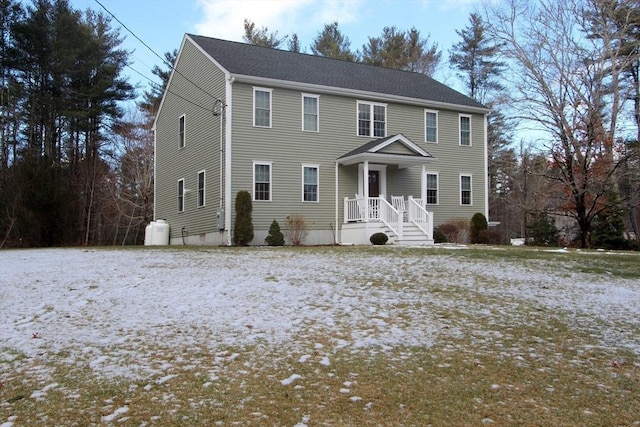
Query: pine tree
x,y
402,50
331,43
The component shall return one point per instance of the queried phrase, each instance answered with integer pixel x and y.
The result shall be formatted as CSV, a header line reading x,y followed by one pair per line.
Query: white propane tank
x,y
147,235
157,233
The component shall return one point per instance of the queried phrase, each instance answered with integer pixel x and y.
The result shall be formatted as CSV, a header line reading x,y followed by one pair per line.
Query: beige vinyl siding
x,y
451,159
202,144
288,147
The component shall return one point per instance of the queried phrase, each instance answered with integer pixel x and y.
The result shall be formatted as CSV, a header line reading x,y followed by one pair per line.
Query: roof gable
x,y
249,60
397,149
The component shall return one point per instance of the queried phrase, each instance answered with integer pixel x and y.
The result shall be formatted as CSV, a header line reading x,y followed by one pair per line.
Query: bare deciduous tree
x,y
561,81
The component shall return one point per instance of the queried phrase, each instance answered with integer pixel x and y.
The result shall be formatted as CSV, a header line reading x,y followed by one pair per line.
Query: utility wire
x,y
153,51
158,86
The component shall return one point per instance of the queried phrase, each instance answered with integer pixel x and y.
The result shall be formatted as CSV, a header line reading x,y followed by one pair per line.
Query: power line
x,y
167,89
153,51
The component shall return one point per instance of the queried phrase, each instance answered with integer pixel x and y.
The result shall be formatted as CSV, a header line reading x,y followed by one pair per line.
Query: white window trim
x,y
470,189
317,97
437,174
263,89
182,137
425,126
253,191
184,192
204,188
460,116
371,130
308,165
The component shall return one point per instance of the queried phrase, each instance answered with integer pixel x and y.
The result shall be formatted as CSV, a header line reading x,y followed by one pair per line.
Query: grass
x,y
501,360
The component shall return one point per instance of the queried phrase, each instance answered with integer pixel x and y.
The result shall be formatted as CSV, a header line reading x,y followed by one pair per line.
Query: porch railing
x,y
379,209
422,218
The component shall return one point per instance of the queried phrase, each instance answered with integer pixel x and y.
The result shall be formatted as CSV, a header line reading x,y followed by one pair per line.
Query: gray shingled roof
x,y
374,143
250,60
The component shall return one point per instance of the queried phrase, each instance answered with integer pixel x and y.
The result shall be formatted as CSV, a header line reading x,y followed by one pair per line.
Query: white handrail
x,y
390,217
422,218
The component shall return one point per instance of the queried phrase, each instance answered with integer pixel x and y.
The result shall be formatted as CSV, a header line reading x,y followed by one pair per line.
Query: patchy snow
x,y
291,379
105,309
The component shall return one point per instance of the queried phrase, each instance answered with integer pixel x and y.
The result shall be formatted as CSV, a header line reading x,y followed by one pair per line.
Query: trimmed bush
x,y
243,225
439,236
275,237
378,238
476,226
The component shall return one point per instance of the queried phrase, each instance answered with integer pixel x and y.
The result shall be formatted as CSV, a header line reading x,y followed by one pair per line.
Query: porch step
x,y
411,236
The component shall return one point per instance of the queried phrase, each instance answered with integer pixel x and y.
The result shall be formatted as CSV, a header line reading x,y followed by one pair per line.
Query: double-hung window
x,y
310,183
466,196
465,129
181,131
310,113
262,107
181,195
431,126
262,181
372,119
201,181
432,188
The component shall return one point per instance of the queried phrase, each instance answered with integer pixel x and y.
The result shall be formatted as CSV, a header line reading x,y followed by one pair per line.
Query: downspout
x,y
486,169
227,158
155,168
336,239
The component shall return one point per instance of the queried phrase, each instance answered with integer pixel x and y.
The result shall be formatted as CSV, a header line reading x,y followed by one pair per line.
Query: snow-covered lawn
x,y
111,312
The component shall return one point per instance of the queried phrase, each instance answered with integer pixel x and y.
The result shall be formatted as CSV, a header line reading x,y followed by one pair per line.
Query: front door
x,y
374,183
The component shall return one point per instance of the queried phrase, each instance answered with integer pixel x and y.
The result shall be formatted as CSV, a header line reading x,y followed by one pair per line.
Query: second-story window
x,y
465,130
372,119
431,126
262,107
310,113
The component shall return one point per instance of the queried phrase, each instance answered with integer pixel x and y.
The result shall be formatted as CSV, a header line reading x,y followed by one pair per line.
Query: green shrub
x,y
543,231
275,237
476,226
243,225
378,238
439,236
607,228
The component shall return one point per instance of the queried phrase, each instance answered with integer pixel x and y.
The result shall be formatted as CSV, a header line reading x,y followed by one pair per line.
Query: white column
x,y
365,189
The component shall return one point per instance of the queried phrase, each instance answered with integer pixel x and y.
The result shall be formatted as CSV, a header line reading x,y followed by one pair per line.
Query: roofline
x,y
290,84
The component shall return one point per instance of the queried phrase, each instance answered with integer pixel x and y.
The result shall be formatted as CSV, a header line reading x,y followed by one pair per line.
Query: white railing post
x,y
346,210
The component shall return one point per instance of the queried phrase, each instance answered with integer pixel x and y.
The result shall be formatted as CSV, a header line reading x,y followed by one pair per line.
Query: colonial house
x,y
353,149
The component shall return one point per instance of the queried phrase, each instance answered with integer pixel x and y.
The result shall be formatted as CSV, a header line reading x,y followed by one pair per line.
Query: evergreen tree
x,y
261,36
543,231
474,58
243,224
331,43
607,230
275,236
402,50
